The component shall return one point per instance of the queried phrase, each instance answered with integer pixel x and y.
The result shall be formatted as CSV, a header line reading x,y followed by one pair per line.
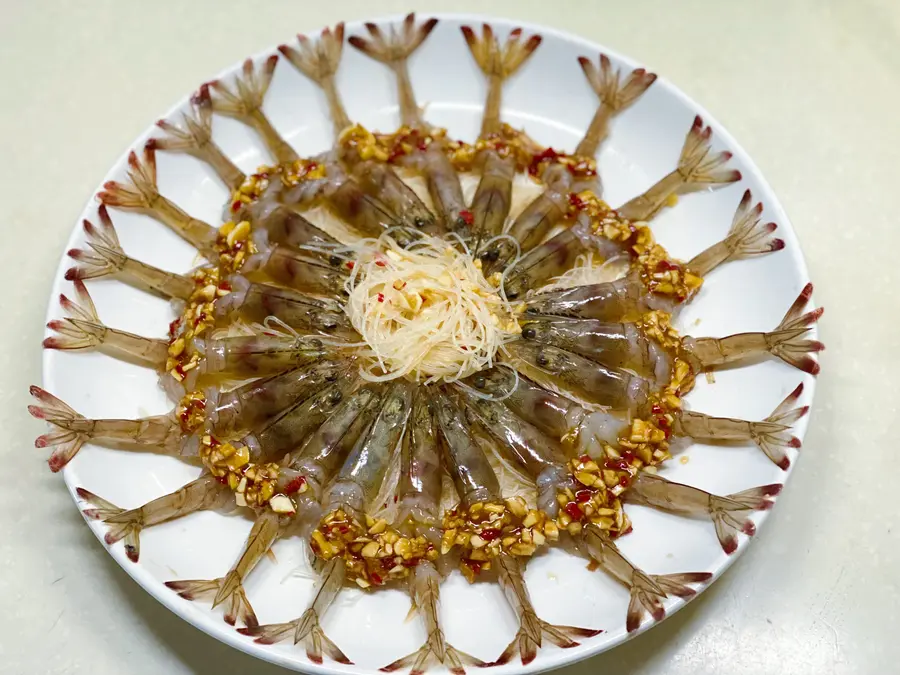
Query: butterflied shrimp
x,y
243,102
729,514
336,541
319,61
295,269
394,49
255,355
616,345
287,502
107,259
419,498
256,302
142,195
630,296
194,137
577,377
82,329
479,489
493,197
698,167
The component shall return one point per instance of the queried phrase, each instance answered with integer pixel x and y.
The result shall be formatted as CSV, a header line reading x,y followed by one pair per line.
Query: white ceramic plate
x,y
552,101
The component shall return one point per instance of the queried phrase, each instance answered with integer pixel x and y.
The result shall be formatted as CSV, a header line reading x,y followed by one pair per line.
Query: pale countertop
x,y
809,88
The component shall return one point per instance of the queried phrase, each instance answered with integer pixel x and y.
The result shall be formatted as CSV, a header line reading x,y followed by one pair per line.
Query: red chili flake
x,y
395,499
235,206
380,263
222,479
225,286
490,534
381,297
294,485
548,154
475,566
583,496
575,201
173,327
343,529
628,456
574,511
624,481
376,578
351,265
662,422
467,217
584,459
665,266
656,409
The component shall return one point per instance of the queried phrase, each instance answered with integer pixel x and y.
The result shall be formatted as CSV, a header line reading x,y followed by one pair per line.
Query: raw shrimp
x,y
306,471
107,259
394,50
476,485
630,296
419,498
143,196
356,484
493,197
579,378
255,355
256,302
319,61
194,137
295,269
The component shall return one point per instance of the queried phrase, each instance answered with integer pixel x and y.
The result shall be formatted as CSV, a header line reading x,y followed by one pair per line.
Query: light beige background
x,y
810,88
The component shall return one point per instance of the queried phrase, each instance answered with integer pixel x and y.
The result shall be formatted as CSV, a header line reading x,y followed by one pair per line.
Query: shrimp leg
x,y
493,197
615,96
205,493
143,196
244,103
730,514
107,259
648,591
194,138
83,330
419,496
698,167
785,341
256,302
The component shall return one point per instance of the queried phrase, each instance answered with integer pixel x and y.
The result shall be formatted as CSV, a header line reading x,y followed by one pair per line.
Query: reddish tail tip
x,y
784,464
36,411
749,528
40,441
777,244
730,545
56,463
315,658
131,552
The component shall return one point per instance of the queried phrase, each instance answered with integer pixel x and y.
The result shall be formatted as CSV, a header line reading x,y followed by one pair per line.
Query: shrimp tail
x,y
615,95
747,237
772,434
786,341
647,591
82,329
418,661
244,102
698,167
532,632
194,137
65,441
319,60
143,195
393,50
496,61
398,45
239,607
127,527
107,258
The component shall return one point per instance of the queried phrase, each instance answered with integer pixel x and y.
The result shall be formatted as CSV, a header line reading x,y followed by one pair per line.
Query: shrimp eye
x,y
331,376
490,255
543,359
335,397
529,333
419,222
335,261
479,382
